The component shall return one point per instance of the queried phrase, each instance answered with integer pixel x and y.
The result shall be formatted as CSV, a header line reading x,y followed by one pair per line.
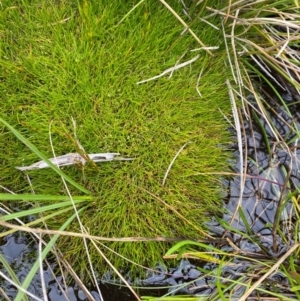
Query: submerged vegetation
x,y
98,64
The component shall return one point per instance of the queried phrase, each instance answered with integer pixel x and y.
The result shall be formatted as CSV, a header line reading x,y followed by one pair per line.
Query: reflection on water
x,y
270,176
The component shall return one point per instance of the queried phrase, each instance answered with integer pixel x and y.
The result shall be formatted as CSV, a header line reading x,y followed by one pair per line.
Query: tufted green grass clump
x,y
64,59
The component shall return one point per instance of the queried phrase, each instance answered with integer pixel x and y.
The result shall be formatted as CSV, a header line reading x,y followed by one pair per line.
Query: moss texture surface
x,y
63,59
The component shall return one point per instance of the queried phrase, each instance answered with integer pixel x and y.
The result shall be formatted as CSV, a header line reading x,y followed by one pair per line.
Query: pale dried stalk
x,y
184,24
74,158
170,70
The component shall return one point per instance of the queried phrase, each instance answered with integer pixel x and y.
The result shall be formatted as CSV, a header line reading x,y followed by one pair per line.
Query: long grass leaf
x,y
245,221
39,197
184,243
37,221
38,210
218,282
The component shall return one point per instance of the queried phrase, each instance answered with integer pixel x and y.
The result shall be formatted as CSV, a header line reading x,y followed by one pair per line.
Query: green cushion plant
x,y
64,60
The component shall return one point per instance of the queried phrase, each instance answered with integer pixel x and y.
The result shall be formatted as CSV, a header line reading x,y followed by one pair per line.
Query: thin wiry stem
x,y
44,290
176,64
184,24
172,162
116,271
269,272
176,212
134,7
198,82
25,228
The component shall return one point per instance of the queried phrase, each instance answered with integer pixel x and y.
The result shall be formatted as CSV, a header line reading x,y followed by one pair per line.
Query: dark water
x,y
270,176
21,253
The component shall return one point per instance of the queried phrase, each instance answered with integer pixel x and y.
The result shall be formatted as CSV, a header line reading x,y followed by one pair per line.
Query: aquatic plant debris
x,y
75,158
